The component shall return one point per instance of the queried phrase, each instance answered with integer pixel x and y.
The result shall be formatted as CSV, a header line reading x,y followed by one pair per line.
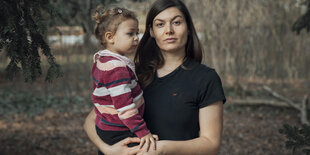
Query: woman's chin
x,y
172,49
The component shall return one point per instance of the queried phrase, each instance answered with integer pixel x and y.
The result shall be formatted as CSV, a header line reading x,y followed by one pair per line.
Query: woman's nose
x,y
169,29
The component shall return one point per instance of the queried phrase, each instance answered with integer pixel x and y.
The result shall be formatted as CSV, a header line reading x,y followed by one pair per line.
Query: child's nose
x,y
136,38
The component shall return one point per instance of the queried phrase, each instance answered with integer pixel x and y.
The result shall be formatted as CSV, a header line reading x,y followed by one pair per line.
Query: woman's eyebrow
x,y
176,17
171,19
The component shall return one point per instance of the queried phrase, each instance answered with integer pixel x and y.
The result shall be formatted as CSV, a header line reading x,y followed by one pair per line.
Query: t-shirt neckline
x,y
185,62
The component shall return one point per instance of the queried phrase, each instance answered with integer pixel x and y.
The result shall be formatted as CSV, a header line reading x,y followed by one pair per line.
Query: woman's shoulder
x,y
194,65
201,72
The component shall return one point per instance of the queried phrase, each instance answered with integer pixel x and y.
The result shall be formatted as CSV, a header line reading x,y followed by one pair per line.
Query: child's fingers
x,y
153,144
130,140
141,143
147,145
156,137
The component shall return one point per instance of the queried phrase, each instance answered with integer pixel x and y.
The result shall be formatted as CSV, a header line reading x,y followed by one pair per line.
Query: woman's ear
x,y
109,37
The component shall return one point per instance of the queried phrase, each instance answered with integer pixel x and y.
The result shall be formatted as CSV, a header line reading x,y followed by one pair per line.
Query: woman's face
x,y
170,30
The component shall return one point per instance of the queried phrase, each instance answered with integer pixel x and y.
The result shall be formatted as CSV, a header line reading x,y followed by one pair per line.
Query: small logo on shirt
x,y
174,94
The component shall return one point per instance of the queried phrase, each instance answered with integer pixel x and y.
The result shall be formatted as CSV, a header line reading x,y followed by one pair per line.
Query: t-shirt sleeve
x,y
211,89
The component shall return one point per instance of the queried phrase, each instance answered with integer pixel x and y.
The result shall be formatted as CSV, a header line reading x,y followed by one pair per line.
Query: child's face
x,y
125,37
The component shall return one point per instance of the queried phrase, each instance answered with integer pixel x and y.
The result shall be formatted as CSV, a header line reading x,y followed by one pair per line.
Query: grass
x,y
69,93
32,103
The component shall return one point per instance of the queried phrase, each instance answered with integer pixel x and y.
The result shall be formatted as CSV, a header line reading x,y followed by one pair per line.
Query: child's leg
x,y
112,137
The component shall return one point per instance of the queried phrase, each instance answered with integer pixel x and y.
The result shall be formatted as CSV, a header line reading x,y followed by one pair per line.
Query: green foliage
x,y
303,21
31,104
297,139
22,32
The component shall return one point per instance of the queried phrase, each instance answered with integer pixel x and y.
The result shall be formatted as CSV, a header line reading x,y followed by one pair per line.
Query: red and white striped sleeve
x,y
120,83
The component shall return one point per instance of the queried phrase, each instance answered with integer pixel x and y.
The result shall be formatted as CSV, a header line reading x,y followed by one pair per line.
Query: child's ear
x,y
109,37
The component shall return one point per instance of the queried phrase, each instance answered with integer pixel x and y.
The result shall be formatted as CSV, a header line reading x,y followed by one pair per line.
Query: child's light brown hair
x,y
109,20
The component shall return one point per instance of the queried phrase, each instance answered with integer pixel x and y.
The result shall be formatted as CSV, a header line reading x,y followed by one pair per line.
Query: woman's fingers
x,y
130,140
133,150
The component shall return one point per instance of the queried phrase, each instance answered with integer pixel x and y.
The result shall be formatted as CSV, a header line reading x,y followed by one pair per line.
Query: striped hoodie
x,y
117,96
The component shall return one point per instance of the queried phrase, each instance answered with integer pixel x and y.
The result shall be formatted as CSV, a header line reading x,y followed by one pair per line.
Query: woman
x,y
184,99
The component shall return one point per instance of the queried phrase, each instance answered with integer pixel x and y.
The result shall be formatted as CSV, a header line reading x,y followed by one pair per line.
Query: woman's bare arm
x,y
211,124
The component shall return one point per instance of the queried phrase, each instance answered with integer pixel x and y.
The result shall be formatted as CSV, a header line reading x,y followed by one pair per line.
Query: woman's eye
x,y
177,23
130,33
159,24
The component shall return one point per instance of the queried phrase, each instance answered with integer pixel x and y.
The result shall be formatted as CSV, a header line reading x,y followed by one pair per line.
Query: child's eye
x,y
130,33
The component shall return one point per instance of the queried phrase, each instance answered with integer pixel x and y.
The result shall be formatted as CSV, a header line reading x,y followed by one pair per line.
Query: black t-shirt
x,y
172,102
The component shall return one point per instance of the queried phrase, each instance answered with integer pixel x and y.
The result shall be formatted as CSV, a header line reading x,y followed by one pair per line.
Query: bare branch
x,y
280,97
303,110
258,102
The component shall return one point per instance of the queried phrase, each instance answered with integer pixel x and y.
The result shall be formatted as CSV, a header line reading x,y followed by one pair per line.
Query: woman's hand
x,y
121,148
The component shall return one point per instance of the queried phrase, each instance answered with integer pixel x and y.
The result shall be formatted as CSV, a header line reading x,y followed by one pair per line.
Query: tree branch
x,y
280,97
303,110
258,102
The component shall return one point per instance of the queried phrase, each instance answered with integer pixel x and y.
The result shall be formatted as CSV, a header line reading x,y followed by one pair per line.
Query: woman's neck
x,y
171,62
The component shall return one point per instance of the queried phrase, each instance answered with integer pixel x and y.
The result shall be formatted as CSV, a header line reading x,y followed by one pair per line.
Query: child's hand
x,y
147,141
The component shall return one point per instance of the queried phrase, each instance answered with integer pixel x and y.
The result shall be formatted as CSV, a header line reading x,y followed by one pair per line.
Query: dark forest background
x,y
261,50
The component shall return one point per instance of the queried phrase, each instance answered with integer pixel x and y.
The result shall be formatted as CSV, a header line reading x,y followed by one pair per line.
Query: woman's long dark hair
x,y
149,57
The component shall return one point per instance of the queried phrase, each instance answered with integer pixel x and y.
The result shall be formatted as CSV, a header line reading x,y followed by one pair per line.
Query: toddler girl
x,y
117,96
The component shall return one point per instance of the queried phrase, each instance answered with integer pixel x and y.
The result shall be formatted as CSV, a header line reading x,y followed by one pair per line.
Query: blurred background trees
x,y
24,31
250,43
303,22
244,39
253,39
77,13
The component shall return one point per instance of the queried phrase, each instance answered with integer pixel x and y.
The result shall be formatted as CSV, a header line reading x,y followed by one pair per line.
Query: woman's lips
x,y
170,40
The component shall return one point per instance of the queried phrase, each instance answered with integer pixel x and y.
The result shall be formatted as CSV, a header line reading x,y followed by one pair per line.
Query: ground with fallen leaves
x,y
247,130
